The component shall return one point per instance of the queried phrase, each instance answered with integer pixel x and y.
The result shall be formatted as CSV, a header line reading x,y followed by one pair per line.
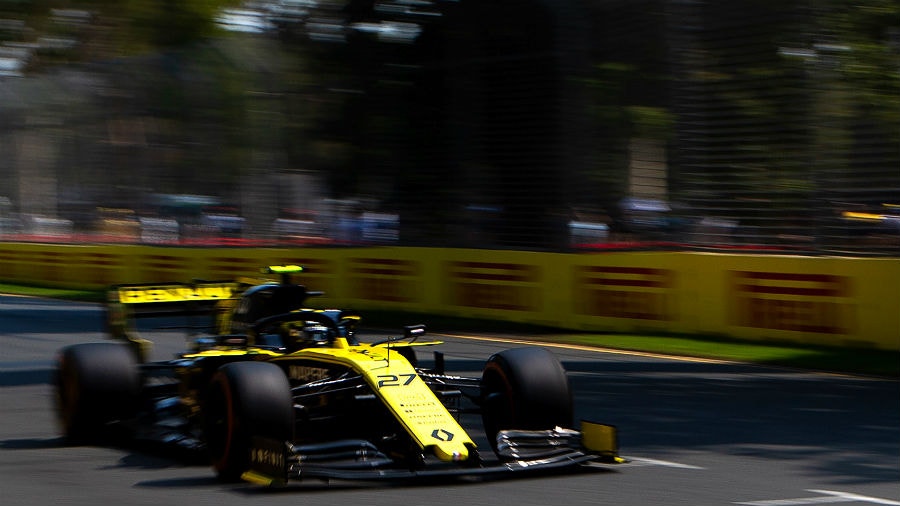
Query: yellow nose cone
x,y
451,452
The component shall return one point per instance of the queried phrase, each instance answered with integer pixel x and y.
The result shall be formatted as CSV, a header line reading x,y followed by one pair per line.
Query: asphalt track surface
x,y
696,433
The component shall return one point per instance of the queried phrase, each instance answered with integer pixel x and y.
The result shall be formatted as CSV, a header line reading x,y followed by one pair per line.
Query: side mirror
x,y
413,331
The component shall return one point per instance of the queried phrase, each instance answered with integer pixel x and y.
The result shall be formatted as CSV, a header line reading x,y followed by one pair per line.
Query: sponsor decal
x,y
494,285
226,267
640,293
385,279
97,267
159,266
173,293
419,408
306,373
794,302
53,264
267,458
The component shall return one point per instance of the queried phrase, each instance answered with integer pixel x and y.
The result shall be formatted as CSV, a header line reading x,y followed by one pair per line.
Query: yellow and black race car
x,y
283,392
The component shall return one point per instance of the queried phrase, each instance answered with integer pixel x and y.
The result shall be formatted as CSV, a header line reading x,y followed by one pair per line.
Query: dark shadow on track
x,y
32,444
845,426
181,483
26,377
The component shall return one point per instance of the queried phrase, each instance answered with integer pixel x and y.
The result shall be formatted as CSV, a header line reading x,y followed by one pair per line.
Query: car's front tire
x,y
245,399
526,389
96,383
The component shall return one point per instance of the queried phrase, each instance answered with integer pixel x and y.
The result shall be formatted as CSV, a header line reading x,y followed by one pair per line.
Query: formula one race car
x,y
296,395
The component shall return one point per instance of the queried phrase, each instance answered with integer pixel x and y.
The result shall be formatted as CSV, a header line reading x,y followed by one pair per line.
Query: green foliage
x,y
170,23
126,27
609,95
870,33
651,122
623,104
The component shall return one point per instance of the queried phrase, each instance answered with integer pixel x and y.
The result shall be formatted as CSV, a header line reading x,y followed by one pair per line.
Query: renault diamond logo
x,y
442,435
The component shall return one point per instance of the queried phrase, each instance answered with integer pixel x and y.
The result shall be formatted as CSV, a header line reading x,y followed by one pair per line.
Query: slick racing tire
x,y
245,399
96,383
524,389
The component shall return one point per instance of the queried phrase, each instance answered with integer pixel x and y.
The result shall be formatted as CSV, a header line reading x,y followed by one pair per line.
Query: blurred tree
x,y
629,96
741,110
866,36
126,27
855,60
170,23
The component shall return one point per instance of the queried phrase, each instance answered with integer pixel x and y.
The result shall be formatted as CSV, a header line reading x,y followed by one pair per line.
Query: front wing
x,y
277,462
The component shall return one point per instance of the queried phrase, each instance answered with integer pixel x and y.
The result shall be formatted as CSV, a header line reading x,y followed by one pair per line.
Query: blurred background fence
x,y
543,125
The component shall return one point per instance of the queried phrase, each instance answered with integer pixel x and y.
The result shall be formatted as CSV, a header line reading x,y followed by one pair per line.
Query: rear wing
x,y
126,303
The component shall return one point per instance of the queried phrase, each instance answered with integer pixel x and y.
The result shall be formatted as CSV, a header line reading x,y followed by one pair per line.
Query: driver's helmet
x,y
297,335
316,334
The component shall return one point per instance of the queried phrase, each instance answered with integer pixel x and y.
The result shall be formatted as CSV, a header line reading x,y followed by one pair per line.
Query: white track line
x,y
828,497
581,347
640,462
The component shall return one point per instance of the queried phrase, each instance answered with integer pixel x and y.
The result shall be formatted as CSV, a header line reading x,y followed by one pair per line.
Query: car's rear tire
x,y
245,399
96,383
525,389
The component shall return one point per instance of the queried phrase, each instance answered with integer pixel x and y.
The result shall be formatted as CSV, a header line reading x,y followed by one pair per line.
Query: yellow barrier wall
x,y
816,300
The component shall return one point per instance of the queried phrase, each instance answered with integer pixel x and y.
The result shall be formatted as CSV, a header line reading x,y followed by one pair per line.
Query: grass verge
x,y
54,293
843,360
